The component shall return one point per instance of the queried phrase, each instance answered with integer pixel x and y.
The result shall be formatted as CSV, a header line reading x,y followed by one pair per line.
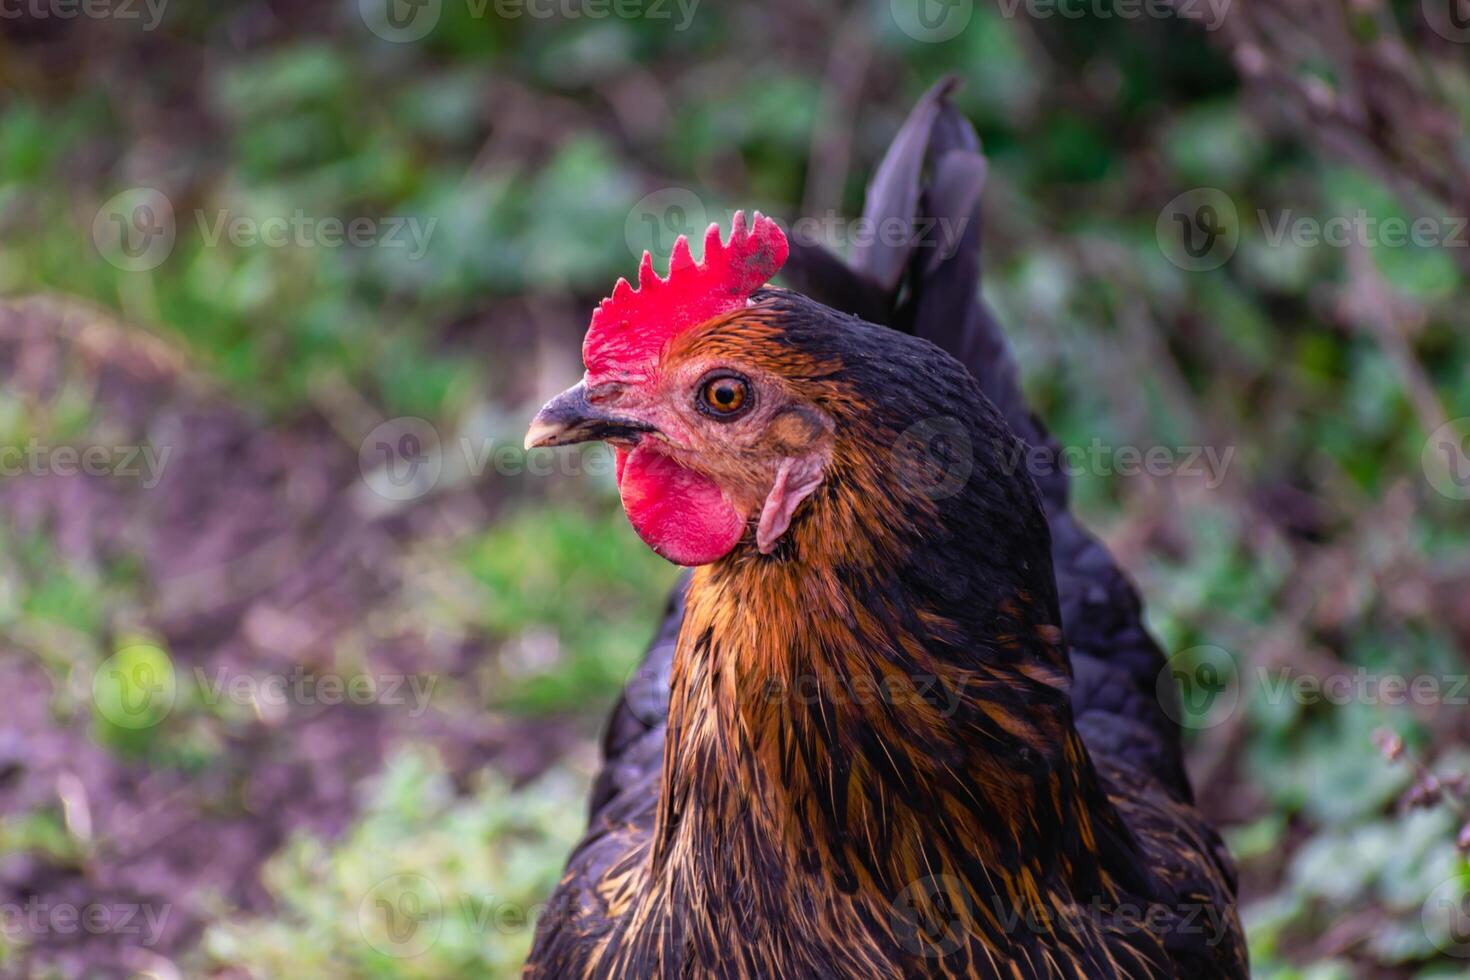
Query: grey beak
x,y
570,418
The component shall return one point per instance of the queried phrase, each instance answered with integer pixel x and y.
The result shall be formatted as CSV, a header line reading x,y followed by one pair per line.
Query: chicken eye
x,y
724,397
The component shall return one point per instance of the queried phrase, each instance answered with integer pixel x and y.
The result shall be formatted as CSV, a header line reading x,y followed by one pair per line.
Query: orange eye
x,y
724,396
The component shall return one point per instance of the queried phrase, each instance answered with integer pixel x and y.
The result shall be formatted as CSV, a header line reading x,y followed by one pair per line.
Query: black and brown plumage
x,y
909,725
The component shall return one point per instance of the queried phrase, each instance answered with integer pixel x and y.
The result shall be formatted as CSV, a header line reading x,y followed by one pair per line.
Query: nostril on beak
x,y
570,418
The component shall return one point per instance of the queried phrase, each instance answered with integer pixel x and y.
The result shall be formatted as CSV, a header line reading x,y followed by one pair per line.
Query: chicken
x,y
901,719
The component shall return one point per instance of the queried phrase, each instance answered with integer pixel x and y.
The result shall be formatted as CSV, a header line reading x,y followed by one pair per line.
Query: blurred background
x,y
304,661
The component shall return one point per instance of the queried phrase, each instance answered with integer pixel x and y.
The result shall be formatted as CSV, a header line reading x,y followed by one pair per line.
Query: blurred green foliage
x,y
431,882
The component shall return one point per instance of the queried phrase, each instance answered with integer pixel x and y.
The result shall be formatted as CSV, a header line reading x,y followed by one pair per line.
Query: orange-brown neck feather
x,y
848,733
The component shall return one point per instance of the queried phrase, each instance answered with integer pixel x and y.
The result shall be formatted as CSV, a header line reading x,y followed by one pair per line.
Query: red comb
x,y
632,326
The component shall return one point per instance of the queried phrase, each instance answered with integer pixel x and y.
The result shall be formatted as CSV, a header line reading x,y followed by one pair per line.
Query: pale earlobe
x,y
796,478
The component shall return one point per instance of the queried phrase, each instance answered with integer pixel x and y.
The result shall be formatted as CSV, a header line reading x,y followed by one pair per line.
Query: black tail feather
x,y
895,188
1116,694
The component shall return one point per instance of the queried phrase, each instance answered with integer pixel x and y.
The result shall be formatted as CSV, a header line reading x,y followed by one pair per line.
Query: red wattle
x,y
680,514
